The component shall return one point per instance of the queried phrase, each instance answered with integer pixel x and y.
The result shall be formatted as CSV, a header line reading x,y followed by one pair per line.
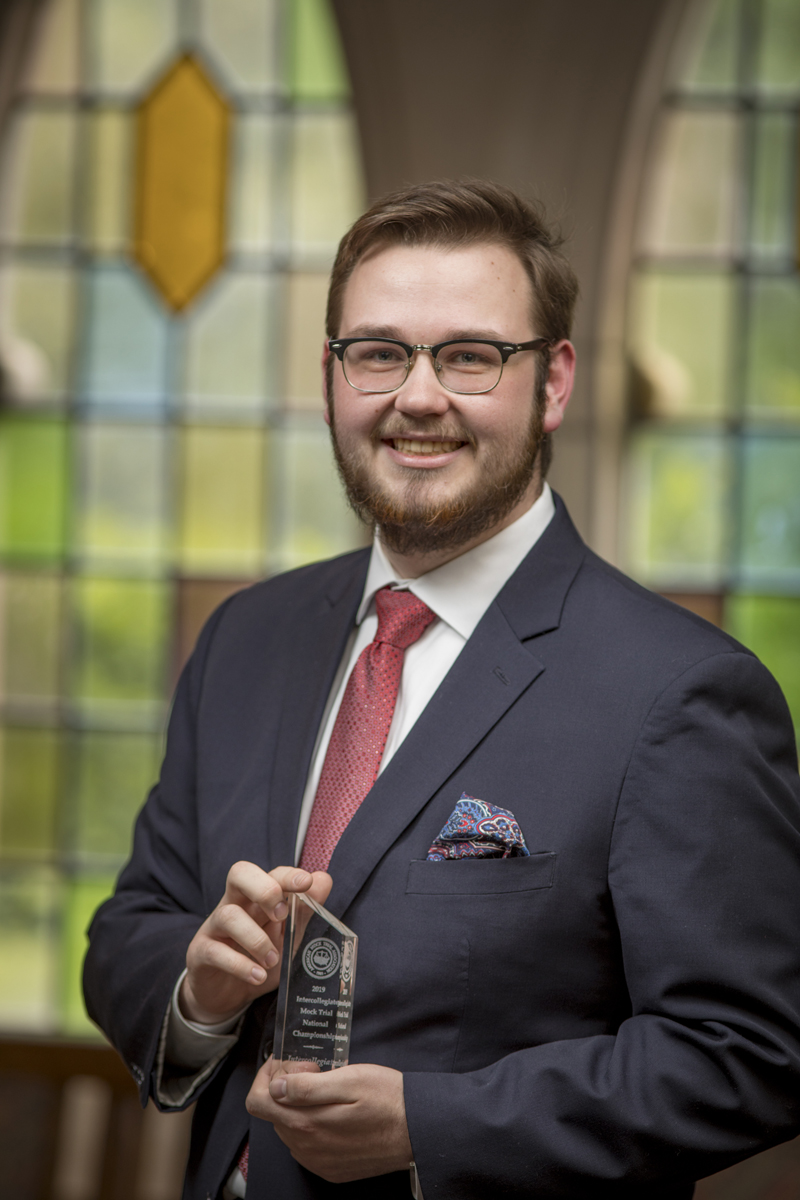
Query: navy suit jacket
x,y
616,1015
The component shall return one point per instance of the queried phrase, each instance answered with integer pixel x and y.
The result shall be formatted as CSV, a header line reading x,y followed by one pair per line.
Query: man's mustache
x,y
396,427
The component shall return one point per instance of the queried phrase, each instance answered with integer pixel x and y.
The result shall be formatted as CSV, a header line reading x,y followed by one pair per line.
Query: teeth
x,y
406,446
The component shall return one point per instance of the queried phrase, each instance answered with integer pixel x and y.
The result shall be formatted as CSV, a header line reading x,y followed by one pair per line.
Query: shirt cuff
x,y
188,1051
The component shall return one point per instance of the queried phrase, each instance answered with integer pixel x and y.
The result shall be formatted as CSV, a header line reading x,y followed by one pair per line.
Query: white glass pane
x,y
39,202
54,69
37,314
29,903
327,186
712,59
681,342
779,56
107,209
131,40
126,346
229,342
691,204
773,218
241,36
253,183
306,297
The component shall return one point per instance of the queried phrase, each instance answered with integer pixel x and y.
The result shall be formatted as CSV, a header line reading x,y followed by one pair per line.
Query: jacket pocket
x,y
480,876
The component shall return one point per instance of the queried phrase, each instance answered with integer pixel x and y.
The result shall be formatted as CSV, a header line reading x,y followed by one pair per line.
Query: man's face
x,y
432,468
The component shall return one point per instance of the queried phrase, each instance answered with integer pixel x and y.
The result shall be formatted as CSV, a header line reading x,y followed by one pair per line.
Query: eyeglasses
x,y
468,368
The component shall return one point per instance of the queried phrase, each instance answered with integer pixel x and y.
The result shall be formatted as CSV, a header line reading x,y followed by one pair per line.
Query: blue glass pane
x,y
125,355
771,513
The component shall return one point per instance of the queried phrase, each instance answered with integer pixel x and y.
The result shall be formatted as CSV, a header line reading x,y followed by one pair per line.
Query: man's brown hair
x,y
448,213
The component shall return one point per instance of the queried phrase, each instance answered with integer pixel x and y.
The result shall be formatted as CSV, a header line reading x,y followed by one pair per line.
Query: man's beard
x,y
411,522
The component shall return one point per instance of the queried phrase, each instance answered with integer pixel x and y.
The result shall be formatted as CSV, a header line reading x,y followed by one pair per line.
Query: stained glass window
x,y
177,175
713,505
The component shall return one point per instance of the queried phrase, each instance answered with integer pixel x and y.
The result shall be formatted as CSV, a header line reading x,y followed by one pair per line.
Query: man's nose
x,y
422,392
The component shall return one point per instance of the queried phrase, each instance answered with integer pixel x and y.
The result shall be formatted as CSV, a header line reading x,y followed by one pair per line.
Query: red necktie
x,y
360,731
362,724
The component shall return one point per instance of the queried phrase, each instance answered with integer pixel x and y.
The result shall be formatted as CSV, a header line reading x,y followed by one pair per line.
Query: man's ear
x,y
326,354
558,388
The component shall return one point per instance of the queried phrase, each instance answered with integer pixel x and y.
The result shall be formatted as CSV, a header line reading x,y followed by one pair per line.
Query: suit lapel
x,y
490,674
317,650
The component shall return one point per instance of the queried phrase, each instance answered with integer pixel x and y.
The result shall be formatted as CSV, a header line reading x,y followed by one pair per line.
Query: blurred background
x,y
175,176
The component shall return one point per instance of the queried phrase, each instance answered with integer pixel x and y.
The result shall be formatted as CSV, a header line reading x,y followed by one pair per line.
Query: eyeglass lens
x,y
462,367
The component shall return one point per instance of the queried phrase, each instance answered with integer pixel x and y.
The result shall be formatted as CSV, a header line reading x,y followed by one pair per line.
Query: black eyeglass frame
x,y
338,346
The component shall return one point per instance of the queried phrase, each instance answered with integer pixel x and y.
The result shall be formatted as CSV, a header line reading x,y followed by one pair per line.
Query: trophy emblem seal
x,y
321,958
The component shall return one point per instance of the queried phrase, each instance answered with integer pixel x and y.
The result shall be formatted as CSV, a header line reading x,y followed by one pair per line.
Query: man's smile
x,y
408,446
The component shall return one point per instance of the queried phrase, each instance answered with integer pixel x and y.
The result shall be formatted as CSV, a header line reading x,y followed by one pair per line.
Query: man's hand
x,y
235,956
343,1125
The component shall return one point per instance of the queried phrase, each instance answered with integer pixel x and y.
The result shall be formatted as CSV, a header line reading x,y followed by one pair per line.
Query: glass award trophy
x,y
315,995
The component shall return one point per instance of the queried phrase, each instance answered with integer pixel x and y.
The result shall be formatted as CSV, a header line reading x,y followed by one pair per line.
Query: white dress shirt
x,y
459,593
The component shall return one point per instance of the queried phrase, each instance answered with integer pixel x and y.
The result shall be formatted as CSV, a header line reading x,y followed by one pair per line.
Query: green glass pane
x,y
122,627
107,206
29,900
83,898
33,482
676,505
241,36
40,204
113,773
693,197
229,347
773,383
779,53
318,69
327,186
253,183
318,522
31,638
770,627
122,518
771,512
31,771
131,40
772,229
681,341
713,63
223,501
39,311
55,68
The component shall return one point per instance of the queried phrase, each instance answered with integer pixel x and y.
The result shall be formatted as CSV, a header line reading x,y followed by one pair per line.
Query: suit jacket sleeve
x,y
138,938
704,875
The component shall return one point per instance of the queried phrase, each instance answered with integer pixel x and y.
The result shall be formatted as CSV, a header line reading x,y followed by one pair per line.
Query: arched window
x,y
178,173
713,500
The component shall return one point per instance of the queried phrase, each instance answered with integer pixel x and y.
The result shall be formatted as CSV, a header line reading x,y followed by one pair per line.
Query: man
x,y
614,1009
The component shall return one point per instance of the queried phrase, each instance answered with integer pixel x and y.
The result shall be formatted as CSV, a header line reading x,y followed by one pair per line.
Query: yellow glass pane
x,y
38,310
223,516
305,332
31,648
693,191
681,328
229,347
130,39
40,204
242,36
327,186
29,905
317,520
122,518
30,782
55,66
181,182
253,183
108,201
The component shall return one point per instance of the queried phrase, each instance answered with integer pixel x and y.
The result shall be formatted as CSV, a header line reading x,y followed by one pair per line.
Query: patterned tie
x,y
362,724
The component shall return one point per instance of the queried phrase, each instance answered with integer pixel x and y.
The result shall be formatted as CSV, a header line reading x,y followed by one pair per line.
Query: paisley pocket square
x,y
476,829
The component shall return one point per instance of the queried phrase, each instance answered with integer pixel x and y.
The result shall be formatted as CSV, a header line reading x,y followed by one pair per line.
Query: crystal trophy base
x,y
315,996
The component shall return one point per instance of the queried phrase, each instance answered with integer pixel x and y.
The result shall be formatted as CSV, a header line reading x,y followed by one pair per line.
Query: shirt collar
x,y
460,591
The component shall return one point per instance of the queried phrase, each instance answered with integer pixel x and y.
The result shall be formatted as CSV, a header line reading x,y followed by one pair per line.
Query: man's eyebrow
x,y
452,335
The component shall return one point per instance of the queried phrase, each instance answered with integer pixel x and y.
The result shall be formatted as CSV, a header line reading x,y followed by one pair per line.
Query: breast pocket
x,y
481,876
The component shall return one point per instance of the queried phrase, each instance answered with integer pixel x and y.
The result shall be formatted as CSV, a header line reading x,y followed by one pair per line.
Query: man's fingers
x,y
308,1090
247,882
232,922
225,958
